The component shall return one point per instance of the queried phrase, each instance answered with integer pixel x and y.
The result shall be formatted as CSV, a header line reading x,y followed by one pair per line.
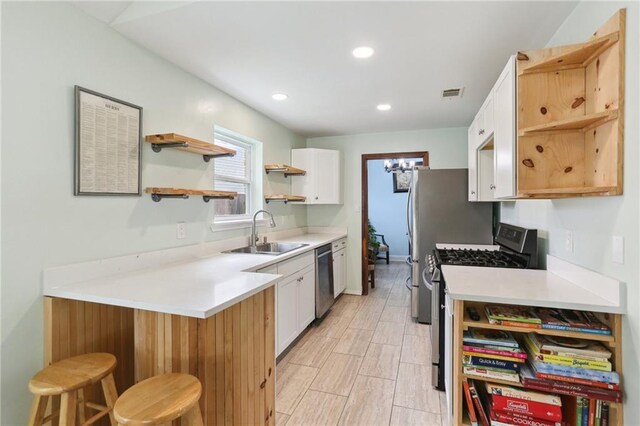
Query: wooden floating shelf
x,y
184,143
283,168
285,198
158,194
561,192
484,324
580,123
575,56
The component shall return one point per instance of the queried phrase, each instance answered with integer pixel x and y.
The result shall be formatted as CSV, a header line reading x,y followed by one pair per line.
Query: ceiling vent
x,y
452,93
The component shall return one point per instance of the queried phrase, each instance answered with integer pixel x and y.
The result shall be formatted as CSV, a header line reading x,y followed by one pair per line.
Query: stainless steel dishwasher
x,y
324,280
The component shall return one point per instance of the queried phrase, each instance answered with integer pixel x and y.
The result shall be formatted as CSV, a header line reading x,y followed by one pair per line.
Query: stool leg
x,y
81,406
110,396
68,408
38,408
194,416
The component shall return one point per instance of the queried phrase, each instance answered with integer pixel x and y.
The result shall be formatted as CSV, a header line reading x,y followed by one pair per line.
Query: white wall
x,y
594,220
47,48
447,149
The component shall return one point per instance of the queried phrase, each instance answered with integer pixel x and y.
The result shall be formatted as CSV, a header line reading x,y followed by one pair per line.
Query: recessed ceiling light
x,y
279,96
363,52
383,107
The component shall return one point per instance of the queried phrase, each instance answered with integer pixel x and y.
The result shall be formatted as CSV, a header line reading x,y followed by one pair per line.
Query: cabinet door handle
x,y
473,192
316,198
492,186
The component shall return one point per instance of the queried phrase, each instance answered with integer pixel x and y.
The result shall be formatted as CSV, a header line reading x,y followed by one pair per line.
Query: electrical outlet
x,y
568,241
617,249
181,230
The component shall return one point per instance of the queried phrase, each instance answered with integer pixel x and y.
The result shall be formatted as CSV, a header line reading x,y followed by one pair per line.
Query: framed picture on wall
x,y
108,136
401,181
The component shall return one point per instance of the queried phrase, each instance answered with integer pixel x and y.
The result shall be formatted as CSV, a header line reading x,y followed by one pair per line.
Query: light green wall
x,y
594,220
47,48
447,149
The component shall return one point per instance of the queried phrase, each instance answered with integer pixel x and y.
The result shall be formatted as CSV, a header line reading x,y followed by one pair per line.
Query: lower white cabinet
x,y
339,272
287,312
295,297
306,298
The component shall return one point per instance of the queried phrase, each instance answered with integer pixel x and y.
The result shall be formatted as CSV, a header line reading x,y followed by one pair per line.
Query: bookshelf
x,y
462,322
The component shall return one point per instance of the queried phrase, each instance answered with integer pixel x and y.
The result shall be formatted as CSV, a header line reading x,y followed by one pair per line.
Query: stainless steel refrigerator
x,y
438,211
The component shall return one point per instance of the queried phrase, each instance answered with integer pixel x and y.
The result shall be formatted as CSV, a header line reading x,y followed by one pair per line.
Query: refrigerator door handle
x,y
409,231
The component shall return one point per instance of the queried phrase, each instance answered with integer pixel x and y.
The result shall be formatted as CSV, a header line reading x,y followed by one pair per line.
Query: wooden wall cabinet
x,y
322,184
570,116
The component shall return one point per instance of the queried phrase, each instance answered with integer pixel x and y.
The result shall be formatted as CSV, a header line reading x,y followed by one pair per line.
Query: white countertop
x,y
534,287
196,288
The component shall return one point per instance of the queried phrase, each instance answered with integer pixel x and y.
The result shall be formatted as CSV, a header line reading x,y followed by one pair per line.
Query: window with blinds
x,y
233,174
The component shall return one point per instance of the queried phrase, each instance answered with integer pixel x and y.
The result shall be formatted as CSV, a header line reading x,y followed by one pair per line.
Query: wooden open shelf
x,y
570,120
574,56
462,322
578,123
283,168
187,144
484,323
285,198
159,193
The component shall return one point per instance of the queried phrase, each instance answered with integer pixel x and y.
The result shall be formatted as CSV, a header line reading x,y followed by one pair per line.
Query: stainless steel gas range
x,y
515,247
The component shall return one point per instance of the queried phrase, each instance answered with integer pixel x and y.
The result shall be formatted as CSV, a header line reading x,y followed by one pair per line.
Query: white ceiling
x,y
254,49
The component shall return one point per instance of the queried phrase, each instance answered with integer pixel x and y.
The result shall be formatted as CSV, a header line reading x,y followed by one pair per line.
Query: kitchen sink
x,y
274,248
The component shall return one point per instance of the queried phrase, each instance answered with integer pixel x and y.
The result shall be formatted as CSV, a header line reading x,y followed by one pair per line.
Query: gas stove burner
x,y
486,258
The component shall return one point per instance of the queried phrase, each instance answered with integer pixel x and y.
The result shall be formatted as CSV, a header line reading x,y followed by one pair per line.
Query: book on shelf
x,y
529,408
491,374
575,361
490,337
571,320
479,361
498,357
527,395
575,372
494,351
530,381
482,415
513,314
575,380
498,417
570,347
469,404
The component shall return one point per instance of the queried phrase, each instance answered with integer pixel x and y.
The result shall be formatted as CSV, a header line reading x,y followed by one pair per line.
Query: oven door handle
x,y
425,280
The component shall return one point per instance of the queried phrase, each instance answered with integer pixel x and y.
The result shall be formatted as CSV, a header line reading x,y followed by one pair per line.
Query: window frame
x,y
253,184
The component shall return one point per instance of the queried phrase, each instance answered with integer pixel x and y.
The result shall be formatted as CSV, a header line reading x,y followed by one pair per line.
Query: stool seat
x,y
72,374
159,399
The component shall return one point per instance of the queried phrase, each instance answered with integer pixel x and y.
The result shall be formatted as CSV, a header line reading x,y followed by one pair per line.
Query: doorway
x,y
366,159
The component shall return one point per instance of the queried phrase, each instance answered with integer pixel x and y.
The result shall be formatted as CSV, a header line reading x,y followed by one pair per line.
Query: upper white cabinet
x,y
492,142
322,184
504,139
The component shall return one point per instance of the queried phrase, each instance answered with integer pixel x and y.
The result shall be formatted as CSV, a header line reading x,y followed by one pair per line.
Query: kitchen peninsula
x,y
212,316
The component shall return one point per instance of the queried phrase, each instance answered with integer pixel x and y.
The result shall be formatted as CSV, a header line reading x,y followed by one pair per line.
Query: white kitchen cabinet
x,y
339,272
504,139
322,184
473,161
306,298
295,297
486,119
287,312
485,159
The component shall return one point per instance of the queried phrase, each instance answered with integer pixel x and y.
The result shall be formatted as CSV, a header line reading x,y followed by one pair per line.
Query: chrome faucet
x,y
254,236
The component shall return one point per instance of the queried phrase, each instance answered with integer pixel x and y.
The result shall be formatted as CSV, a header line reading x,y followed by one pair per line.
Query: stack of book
x,y
492,354
512,316
574,367
571,320
498,405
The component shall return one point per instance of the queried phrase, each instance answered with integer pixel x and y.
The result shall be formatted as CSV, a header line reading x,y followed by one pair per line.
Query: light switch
x,y
617,249
181,230
568,241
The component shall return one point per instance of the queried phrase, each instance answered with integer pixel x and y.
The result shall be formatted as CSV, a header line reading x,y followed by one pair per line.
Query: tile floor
x,y
367,363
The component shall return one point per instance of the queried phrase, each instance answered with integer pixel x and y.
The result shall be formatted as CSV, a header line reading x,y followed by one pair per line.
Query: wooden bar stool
x,y
161,399
67,378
